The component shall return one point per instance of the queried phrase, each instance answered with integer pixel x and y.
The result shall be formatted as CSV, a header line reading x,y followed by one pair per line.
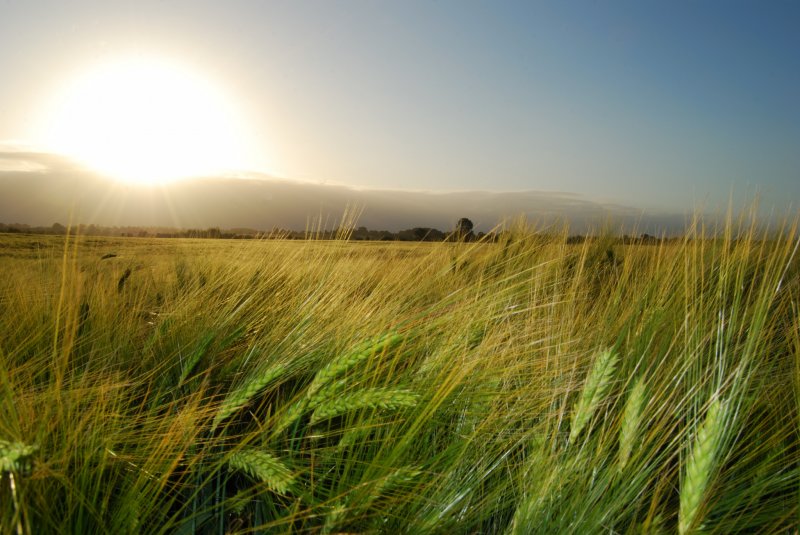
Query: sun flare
x,y
145,120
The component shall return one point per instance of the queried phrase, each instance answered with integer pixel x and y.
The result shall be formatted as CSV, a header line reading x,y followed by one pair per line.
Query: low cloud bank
x,y
40,189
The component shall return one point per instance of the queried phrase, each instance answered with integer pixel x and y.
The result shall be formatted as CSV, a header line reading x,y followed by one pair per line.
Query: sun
x,y
145,120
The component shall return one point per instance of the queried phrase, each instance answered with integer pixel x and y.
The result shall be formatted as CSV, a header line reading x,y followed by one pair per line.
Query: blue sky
x,y
656,104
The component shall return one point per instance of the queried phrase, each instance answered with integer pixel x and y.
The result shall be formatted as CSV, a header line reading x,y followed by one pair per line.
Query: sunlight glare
x,y
145,120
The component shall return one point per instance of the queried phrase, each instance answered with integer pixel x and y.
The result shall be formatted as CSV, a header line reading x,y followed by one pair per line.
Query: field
x,y
525,386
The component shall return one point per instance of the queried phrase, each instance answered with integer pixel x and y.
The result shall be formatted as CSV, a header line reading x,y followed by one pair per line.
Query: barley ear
x,y
333,518
14,455
373,398
699,467
194,358
631,420
361,352
290,415
594,390
236,399
306,404
264,467
401,477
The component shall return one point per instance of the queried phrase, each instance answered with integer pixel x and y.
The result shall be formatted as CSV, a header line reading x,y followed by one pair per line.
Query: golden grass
x,y
277,386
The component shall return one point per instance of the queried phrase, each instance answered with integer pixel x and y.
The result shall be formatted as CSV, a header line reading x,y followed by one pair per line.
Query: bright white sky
x,y
656,105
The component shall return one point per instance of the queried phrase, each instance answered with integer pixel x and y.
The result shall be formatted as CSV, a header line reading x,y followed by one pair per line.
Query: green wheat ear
x,y
631,420
401,477
361,352
323,387
194,358
332,519
373,398
264,467
700,466
594,391
14,455
236,399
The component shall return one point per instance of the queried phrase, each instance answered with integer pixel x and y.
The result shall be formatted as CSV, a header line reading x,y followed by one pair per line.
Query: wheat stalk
x,y
400,477
631,420
263,467
373,398
594,391
700,466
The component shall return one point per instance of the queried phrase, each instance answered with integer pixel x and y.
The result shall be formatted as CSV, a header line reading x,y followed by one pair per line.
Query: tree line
x,y
463,231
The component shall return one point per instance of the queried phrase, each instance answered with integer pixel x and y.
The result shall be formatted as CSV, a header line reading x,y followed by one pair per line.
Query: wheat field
x,y
527,385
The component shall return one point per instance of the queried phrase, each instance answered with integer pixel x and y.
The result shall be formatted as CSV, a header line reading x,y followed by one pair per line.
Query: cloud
x,y
40,188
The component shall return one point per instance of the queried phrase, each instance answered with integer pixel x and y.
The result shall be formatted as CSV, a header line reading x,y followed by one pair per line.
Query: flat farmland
x,y
524,385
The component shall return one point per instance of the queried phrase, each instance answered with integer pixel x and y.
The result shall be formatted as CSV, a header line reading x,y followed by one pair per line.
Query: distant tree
x,y
407,235
428,234
420,233
435,235
463,229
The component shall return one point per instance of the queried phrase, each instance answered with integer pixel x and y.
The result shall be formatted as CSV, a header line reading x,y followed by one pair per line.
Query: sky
x,y
659,105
